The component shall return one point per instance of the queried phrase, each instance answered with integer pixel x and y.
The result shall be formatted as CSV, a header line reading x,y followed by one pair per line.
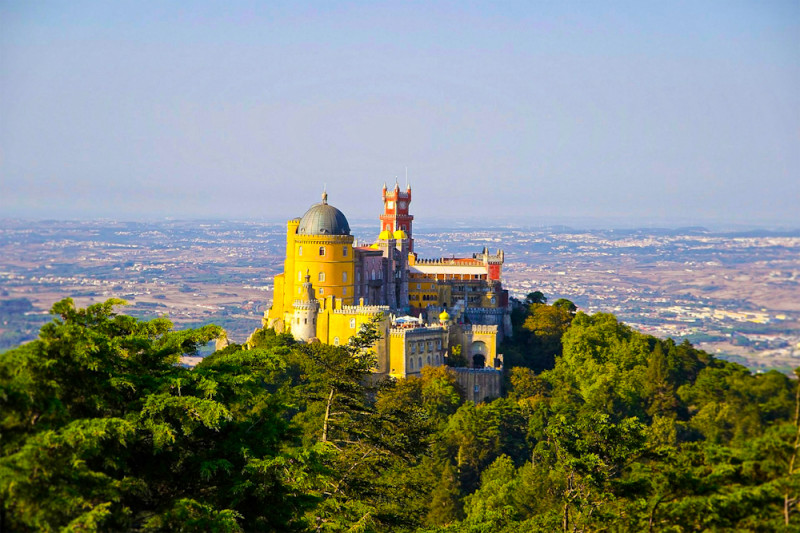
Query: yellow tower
x,y
318,245
323,248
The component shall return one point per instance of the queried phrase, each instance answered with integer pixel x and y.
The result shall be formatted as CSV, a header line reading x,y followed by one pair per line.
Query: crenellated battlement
x,y
305,305
481,329
448,261
415,332
367,310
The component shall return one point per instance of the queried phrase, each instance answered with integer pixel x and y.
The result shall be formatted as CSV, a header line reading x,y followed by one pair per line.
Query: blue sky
x,y
623,112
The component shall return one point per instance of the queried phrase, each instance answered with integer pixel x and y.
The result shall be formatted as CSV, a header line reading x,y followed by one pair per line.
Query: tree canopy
x,y
601,428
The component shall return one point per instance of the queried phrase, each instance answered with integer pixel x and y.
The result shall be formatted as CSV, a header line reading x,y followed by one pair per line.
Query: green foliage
x,y
603,428
456,358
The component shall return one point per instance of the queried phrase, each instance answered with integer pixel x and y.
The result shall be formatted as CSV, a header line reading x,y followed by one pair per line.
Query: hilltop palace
x,y
330,286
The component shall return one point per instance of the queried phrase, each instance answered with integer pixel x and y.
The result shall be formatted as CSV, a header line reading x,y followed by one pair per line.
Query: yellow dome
x,y
400,234
444,316
384,235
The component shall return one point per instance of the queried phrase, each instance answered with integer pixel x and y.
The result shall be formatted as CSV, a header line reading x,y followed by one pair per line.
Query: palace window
x,y
430,346
420,362
321,250
321,290
413,347
344,251
300,250
321,276
344,291
429,360
352,323
336,341
299,275
411,363
344,277
358,276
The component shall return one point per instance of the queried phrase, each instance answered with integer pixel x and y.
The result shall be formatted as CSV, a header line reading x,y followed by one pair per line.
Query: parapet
x,y
362,310
305,304
481,329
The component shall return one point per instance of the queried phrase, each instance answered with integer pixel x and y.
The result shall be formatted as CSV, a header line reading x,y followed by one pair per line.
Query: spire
x,y
308,290
325,195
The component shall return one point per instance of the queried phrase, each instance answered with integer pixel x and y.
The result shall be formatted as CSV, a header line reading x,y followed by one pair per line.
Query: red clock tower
x,y
395,212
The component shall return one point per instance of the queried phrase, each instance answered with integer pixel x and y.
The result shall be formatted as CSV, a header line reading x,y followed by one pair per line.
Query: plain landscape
x,y
736,295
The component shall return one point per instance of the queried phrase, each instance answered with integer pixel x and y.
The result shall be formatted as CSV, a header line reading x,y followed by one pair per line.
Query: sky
x,y
625,113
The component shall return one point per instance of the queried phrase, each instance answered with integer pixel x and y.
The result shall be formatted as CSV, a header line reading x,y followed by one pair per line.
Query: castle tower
x,y
306,310
396,212
323,247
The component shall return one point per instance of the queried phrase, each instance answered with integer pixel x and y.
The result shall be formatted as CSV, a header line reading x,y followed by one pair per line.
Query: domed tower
x,y
306,308
323,249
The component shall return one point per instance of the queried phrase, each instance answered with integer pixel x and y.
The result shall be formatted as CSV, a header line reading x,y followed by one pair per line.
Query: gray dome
x,y
323,219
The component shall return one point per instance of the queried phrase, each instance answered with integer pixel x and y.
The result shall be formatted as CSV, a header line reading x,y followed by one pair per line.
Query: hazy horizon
x,y
637,114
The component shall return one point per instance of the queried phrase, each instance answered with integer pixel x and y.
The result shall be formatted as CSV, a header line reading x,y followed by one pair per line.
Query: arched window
x,y
344,291
429,360
321,276
411,363
321,250
352,323
300,250
420,362
373,275
344,277
299,275
336,341
344,251
321,290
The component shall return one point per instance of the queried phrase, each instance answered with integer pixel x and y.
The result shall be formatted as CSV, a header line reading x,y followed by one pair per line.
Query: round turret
x,y
323,219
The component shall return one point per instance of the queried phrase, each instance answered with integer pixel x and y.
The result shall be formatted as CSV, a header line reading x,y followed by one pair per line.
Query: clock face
x,y
401,205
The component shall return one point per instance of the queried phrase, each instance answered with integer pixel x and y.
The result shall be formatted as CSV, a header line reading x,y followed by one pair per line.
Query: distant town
x,y
736,295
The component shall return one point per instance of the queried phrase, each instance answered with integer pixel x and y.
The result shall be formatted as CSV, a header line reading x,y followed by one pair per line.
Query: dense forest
x,y
601,428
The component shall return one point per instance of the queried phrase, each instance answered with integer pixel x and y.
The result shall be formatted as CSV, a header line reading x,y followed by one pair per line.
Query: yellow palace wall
x,y
337,264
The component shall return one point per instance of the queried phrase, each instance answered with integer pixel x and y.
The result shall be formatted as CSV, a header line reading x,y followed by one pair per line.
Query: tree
x,y
99,420
566,305
545,325
535,297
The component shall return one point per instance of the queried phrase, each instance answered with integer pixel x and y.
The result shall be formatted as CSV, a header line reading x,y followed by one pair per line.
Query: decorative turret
x,y
396,215
306,309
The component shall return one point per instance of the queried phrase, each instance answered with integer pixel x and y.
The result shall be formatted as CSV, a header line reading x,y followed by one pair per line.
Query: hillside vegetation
x,y
602,428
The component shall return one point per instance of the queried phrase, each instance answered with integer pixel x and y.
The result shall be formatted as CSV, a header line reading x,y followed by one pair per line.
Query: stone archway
x,y
479,351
